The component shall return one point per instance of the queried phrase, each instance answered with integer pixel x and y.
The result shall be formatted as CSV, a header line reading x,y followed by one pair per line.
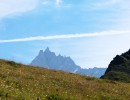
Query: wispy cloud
x,y
9,7
81,35
45,2
106,4
58,2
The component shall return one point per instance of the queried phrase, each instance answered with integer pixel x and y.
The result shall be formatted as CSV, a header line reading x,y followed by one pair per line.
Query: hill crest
x,y
119,68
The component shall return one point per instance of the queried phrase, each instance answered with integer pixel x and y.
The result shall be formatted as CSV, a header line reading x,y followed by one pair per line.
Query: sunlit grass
x,y
21,82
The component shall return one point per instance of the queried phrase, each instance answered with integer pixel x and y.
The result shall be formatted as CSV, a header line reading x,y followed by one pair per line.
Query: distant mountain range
x,y
48,59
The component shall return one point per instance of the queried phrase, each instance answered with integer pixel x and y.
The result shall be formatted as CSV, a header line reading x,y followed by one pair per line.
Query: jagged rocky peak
x,y
41,52
49,53
49,60
47,49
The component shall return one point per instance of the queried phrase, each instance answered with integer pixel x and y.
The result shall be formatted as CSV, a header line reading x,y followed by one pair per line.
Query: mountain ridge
x,y
50,60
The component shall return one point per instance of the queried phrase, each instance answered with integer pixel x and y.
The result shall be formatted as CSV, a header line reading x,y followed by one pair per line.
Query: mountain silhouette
x,y
48,59
119,68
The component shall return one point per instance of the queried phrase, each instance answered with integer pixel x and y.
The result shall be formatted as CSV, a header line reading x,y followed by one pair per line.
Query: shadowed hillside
x,y
21,82
119,68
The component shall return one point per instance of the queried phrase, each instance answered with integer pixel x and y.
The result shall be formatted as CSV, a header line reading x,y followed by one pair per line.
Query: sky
x,y
91,32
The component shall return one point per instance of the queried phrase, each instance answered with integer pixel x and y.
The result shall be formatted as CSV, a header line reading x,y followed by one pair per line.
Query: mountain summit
x,y
48,59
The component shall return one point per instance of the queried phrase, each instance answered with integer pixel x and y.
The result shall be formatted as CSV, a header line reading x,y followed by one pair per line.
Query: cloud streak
x,y
81,35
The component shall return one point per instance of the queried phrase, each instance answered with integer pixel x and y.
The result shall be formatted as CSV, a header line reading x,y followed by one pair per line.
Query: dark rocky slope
x,y
119,68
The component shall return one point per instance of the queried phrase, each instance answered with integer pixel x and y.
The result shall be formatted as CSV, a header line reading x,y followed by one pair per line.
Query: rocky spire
x,y
40,52
47,50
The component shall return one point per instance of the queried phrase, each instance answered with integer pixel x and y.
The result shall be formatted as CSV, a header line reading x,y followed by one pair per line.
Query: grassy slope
x,y
20,82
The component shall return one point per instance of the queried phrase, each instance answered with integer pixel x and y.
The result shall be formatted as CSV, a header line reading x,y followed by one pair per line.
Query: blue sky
x,y
90,32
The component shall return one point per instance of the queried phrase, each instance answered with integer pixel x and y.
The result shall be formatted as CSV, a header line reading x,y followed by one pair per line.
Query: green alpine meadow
x,y
23,82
